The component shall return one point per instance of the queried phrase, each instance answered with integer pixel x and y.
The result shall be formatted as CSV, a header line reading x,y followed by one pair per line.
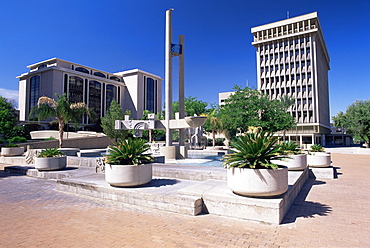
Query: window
x,y
42,66
286,54
296,52
94,101
261,58
281,55
291,65
110,95
277,79
272,80
75,89
99,74
282,78
286,66
282,90
287,90
309,75
309,63
150,94
81,69
34,90
115,78
293,90
303,64
262,81
298,77
262,69
297,64
307,50
292,77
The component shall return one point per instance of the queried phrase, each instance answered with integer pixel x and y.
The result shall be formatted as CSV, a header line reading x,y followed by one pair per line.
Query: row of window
x,y
286,54
98,74
285,43
285,66
285,29
287,90
286,78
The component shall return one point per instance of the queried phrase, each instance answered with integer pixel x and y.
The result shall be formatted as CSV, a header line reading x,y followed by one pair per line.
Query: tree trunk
x,y
213,138
61,131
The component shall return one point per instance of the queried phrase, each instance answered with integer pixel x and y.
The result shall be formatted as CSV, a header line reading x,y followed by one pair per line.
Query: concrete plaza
x,y
327,213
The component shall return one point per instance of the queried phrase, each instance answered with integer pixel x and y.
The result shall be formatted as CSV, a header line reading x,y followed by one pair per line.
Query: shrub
x,y
11,145
289,148
316,148
50,152
253,150
50,138
17,139
129,152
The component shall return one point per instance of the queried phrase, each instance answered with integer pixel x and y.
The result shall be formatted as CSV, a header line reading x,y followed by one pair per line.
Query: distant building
x,y
292,59
134,90
222,96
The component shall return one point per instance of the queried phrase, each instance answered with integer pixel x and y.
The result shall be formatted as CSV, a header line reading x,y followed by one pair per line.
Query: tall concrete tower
x,y
292,60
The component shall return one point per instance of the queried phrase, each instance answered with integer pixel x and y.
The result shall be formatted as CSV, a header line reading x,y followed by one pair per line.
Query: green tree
x,y
356,120
192,106
108,122
61,110
8,117
213,124
249,107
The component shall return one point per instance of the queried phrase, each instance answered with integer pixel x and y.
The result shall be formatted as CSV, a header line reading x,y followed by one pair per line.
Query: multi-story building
x,y
134,90
292,60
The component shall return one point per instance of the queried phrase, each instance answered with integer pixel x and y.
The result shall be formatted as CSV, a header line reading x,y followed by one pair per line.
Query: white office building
x,y
134,90
292,59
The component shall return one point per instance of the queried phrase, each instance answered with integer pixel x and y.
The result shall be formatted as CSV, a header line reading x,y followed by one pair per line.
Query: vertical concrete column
x,y
168,75
181,90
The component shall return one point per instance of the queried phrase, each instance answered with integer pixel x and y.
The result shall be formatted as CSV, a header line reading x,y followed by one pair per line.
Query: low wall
x,y
82,143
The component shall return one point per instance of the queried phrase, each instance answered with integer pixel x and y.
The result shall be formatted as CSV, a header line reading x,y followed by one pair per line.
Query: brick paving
x,y
327,213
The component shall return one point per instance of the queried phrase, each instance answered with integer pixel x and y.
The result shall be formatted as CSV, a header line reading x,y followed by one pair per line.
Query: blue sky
x,y
116,35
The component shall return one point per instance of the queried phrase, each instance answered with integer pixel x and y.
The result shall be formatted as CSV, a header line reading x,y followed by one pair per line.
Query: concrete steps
x,y
188,190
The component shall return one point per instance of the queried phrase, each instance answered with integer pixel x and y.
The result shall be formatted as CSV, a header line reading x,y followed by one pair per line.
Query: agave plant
x,y
50,152
289,148
317,148
253,150
129,152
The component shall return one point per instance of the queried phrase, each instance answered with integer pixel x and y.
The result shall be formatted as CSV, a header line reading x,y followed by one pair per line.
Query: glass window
x,y
81,69
150,95
94,101
110,95
99,74
115,78
34,90
75,89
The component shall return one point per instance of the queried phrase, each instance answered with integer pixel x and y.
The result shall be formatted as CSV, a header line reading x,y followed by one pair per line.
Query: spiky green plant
x,y
253,150
317,148
50,152
129,152
289,148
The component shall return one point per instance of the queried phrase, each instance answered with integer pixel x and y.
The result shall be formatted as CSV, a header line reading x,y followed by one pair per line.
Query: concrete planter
x,y
257,182
128,175
294,162
49,164
12,151
319,159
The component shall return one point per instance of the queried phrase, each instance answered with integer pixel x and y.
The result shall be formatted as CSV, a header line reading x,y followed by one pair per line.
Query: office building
x,y
134,90
292,60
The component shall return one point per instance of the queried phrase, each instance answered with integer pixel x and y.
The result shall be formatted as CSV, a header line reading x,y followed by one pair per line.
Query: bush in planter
x,y
128,163
251,171
317,148
317,157
50,153
50,159
296,160
12,150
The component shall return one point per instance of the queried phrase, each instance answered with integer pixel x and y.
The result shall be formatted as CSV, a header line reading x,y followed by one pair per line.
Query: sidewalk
x,y
327,213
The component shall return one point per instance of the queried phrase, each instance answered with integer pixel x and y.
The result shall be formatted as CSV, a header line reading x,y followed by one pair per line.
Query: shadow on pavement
x,y
306,209
4,174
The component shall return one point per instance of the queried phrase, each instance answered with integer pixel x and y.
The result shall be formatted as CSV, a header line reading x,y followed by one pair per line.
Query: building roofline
x,y
284,22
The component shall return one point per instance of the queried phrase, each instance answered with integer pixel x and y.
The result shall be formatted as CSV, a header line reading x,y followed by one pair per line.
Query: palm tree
x,y
62,110
213,124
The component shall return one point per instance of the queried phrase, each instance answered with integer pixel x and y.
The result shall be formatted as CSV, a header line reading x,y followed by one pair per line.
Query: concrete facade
x,y
134,90
292,60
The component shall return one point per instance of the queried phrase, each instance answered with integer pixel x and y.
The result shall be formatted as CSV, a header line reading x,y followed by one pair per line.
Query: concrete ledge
x,y
220,200
160,193
323,173
196,173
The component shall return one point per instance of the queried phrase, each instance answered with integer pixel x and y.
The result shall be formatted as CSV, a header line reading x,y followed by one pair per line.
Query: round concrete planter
x,y
257,182
52,163
128,175
12,151
293,162
319,159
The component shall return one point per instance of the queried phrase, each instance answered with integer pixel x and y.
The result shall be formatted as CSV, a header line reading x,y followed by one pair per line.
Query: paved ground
x,y
328,213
